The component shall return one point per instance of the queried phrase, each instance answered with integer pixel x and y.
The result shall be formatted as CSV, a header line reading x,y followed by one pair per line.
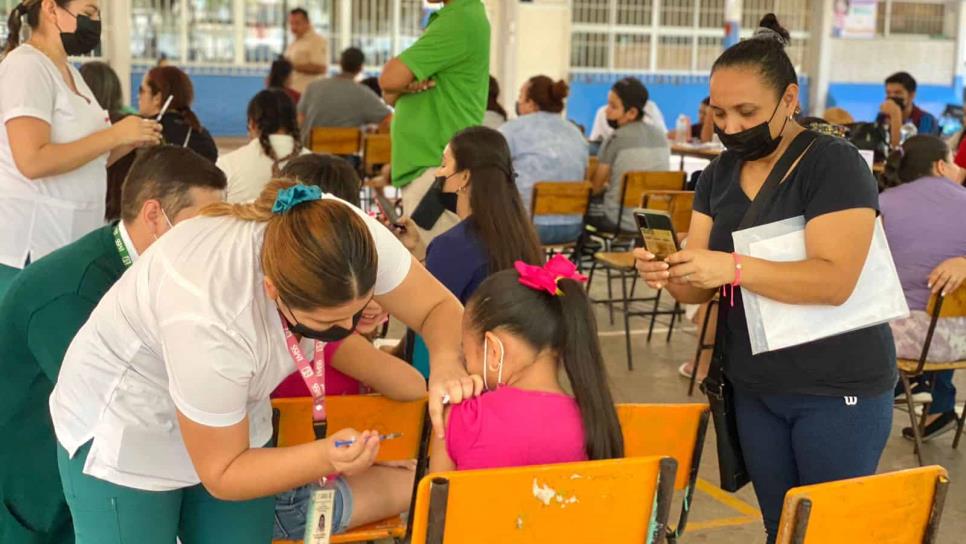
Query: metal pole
x,y
732,22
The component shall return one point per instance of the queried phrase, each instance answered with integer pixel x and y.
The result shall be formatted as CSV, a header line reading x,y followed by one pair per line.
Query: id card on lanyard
x,y
126,259
313,374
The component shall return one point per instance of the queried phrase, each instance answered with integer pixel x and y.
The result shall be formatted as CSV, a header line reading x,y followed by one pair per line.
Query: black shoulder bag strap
x,y
731,463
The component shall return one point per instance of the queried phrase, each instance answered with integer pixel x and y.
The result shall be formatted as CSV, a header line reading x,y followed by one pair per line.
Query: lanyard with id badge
x,y
318,523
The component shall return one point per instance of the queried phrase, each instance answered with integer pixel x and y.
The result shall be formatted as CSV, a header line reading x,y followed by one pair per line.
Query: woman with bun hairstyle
x,y
819,411
546,147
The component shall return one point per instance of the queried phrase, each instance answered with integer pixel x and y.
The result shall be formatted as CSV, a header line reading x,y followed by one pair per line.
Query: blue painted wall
x,y
674,94
221,97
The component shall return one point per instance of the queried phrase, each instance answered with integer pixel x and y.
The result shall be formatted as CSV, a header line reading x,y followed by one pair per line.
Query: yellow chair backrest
x,y
615,501
672,430
954,304
376,151
635,183
592,164
678,204
360,412
335,140
560,198
894,508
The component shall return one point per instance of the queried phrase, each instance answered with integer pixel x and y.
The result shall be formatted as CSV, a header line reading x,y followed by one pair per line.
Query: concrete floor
x,y
720,517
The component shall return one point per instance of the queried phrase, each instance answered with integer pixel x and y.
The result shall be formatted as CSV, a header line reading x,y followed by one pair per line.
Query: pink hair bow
x,y
545,278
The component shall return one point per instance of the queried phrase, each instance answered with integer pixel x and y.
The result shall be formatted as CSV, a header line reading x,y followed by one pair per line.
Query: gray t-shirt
x,y
339,102
632,147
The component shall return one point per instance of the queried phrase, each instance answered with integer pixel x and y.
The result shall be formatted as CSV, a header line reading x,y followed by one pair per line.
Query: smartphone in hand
x,y
657,229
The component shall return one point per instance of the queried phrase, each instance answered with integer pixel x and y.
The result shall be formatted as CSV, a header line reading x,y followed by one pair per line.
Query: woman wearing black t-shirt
x,y
811,413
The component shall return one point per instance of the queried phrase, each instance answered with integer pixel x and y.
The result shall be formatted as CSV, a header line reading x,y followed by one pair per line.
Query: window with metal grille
x,y
668,35
922,17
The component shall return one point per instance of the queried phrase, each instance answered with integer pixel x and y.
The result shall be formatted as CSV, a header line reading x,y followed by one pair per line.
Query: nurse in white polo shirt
x,y
162,405
56,141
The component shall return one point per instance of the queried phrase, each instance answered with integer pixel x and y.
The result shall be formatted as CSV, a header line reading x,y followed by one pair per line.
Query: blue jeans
x,y
794,440
943,390
292,507
559,234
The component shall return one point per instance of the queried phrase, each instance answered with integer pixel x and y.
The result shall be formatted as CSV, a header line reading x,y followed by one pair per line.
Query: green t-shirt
x,y
455,52
46,305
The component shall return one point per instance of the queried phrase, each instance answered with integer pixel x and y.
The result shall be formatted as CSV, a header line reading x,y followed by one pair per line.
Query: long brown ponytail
x,y
318,254
29,9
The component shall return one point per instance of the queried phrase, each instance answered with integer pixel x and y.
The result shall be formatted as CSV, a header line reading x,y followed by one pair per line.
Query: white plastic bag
x,y
773,325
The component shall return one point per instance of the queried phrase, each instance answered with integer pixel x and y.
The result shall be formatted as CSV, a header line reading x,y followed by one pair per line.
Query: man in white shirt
x,y
308,53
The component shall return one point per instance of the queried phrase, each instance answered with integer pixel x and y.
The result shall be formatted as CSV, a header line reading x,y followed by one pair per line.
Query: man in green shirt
x,y
439,86
47,304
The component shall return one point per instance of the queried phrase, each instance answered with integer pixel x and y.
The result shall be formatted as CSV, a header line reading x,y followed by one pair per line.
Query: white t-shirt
x,y
311,47
249,169
188,326
44,214
652,116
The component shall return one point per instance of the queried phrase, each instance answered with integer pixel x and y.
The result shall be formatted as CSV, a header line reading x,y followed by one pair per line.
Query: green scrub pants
x,y
106,513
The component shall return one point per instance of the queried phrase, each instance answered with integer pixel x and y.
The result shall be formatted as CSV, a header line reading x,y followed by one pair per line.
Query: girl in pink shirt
x,y
519,328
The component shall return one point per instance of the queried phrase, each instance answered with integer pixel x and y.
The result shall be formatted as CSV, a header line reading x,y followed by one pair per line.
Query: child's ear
x,y
493,346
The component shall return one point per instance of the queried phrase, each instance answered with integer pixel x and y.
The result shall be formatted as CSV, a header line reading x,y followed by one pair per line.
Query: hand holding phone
x,y
387,208
657,230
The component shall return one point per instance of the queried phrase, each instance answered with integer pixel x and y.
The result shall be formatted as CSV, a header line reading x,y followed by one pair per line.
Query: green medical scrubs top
x,y
41,312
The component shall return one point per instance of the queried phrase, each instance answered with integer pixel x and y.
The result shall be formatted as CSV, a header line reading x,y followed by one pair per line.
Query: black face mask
x,y
516,108
612,123
84,39
448,200
753,143
899,102
334,333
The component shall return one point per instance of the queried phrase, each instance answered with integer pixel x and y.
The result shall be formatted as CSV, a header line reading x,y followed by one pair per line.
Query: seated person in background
x,y
333,174
45,307
495,115
104,83
899,107
925,223
520,327
339,101
353,366
546,147
494,231
280,77
634,145
180,125
602,129
274,140
702,130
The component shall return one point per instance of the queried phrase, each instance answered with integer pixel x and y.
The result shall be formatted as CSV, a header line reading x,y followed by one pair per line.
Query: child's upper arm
x,y
439,459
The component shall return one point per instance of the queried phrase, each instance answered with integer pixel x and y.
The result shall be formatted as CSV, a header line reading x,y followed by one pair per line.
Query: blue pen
x,y
345,443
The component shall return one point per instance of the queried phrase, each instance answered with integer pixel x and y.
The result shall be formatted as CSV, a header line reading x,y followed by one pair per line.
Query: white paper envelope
x,y
773,325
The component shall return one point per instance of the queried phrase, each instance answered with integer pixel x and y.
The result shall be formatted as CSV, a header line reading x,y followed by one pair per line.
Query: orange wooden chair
x,y
363,412
617,501
952,305
376,151
895,508
561,198
335,140
672,430
592,163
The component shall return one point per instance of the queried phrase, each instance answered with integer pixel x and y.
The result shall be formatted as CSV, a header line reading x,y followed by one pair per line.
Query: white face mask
x,y
486,366
168,221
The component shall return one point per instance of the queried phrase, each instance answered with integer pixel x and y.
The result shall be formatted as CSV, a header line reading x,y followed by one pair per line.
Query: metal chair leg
x,y
610,295
674,316
959,428
916,432
657,302
627,322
